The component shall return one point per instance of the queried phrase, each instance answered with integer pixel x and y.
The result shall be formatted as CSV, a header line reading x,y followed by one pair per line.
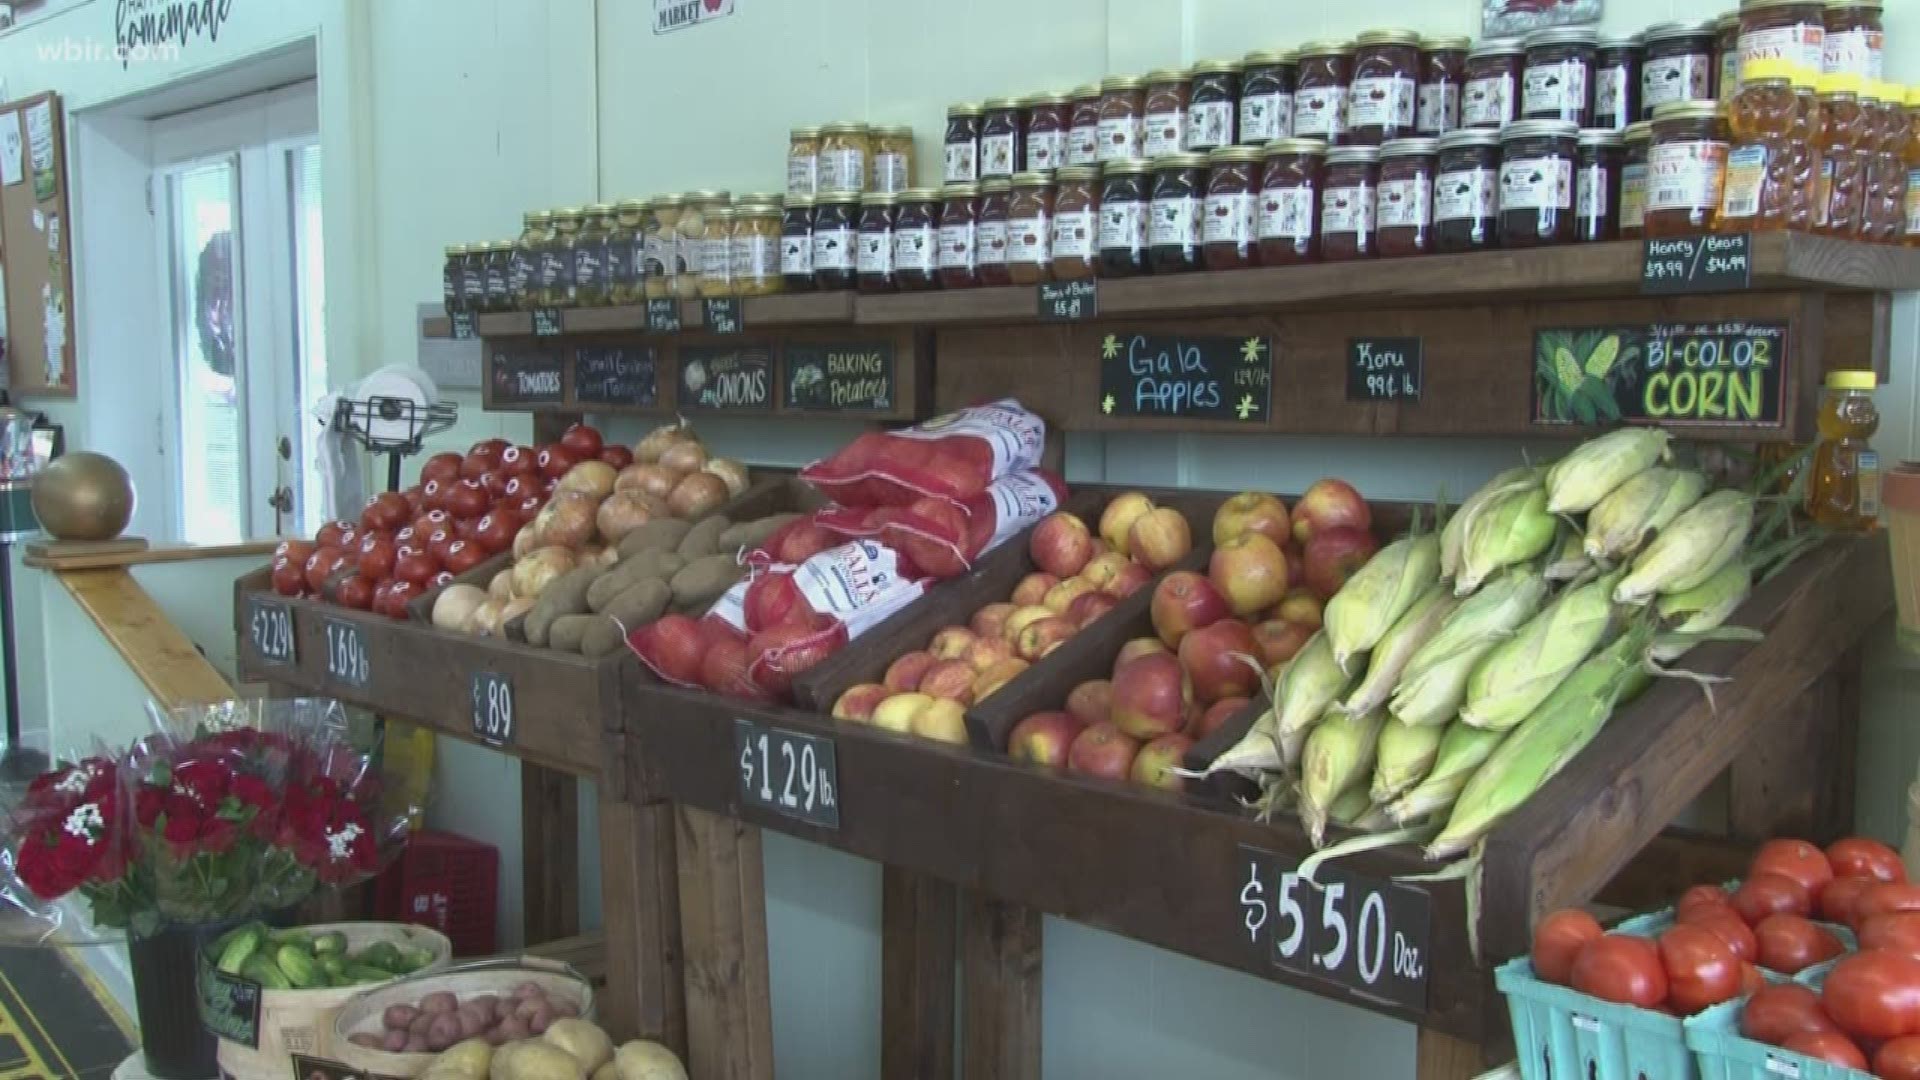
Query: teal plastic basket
x,y
1562,1034
1722,1053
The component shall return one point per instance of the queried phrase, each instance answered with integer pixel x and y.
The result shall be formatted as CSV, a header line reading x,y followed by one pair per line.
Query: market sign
x,y
1726,373
671,15
1186,376
158,29
854,377
726,377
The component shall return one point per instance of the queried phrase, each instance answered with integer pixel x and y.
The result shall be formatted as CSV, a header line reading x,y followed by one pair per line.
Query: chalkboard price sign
x,y
462,325
855,377
346,653
616,375
1069,301
1167,376
492,708
270,629
1384,369
531,378
663,315
546,322
723,315
229,1005
1695,264
726,377
791,774
1728,373
1370,938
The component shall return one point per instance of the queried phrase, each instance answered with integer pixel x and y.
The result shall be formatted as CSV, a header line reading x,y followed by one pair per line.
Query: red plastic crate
x,y
446,881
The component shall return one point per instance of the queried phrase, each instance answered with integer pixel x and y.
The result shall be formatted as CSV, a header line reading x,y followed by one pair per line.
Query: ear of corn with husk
x,y
1453,537
1704,607
1404,757
1509,529
1568,558
1434,683
1256,752
1598,466
1389,658
1375,597
1645,504
1519,673
1707,536
1462,750
1350,806
1339,754
1309,684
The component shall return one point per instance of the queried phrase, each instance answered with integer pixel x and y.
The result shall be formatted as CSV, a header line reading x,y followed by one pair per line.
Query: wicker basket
x,y
499,977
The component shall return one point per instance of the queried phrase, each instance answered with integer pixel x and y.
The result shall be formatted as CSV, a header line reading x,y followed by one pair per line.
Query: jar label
x,y
1913,203
1823,193
553,269
1165,132
1633,196
914,248
752,257
1123,226
1030,240
1674,78
1403,204
1083,144
1439,109
587,266
874,255
1590,193
716,258
497,282
1228,218
473,286
1746,176
1073,234
1347,210
956,247
519,273
803,175
1804,44
1320,113
1488,101
1119,140
1381,101
843,170
1174,221
619,264
1610,98
1209,124
1046,150
1685,175
1729,74
1536,184
1465,195
1556,87
997,155
1264,117
990,242
963,162
890,172
796,255
1285,213
833,249
1854,52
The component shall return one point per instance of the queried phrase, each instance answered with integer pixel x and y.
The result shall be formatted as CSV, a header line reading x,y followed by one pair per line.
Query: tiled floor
x,y
52,1024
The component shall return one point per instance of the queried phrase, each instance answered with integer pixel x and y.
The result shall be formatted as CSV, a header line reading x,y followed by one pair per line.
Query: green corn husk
x,y
1375,597
1255,753
1350,806
1510,529
1519,673
1463,749
1648,502
1389,658
1339,754
1710,534
1568,558
1706,606
1434,683
1540,746
1310,683
1453,537
1596,467
1405,756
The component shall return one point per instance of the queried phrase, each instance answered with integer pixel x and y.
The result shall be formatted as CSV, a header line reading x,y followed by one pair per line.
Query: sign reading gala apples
x,y
1186,377
671,15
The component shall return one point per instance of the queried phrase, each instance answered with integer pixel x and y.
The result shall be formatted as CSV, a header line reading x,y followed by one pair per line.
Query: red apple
x,y
1215,717
385,511
1252,512
1033,589
617,456
336,534
1061,596
1301,608
952,643
1103,568
467,499
1131,579
949,679
1150,696
1183,602
1159,538
857,702
1042,636
1103,751
1333,556
554,461
1060,544
1043,739
1092,701
896,713
1116,521
991,621
997,676
354,591
986,652
290,577
583,440
1085,609
904,674
1276,642
1153,766
1329,504
375,560
1213,659
1021,619
943,721
444,467
1138,647
1250,571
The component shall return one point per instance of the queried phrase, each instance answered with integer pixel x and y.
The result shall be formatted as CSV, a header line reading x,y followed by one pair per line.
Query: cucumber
x,y
414,957
240,946
261,970
362,973
331,942
299,967
333,964
380,954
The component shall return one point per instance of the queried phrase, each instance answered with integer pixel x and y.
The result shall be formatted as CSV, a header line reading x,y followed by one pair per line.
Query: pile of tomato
x,y
1866,1011
465,508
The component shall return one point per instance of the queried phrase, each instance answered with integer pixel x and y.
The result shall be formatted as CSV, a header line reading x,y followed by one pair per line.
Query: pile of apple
x,y
1078,578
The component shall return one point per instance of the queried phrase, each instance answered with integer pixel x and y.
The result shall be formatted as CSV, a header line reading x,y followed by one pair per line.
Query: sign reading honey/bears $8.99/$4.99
x,y
1730,373
1180,376
1371,938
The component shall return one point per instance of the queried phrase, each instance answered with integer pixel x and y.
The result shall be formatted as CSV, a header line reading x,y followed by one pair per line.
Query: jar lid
x,y
899,131
836,198
1445,44
1638,131
1086,90
712,196
1839,82
631,206
877,198
1667,31
1499,46
1311,147
668,202
1054,97
456,249
600,208
1618,41
1003,103
1324,48
1179,159
1121,82
720,213
1408,147
844,127
1166,75
1388,36
1601,137
1766,69
1562,35
1462,137
994,184
1130,167
1762,5
1267,58
1852,380
1234,153
1351,155
536,217
565,212
757,208
1533,129
964,108
1216,67
798,202
1685,110
1076,173
920,194
1035,178
804,133
1870,5
758,198
1728,21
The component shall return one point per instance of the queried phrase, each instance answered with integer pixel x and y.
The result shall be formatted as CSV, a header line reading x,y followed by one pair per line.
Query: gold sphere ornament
x,y
83,496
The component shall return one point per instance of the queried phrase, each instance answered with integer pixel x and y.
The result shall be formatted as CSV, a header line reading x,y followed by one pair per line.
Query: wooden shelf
x,y
779,310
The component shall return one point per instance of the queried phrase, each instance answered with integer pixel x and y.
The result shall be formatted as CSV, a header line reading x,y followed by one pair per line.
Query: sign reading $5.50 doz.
x,y
1729,373
1370,938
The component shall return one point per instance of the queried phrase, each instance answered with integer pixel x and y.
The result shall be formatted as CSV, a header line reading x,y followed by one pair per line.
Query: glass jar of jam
x,y
1790,30
1678,66
1047,122
556,262
836,236
962,144
1403,203
660,247
1384,88
1347,203
523,268
846,154
873,251
1686,165
1083,126
1173,221
1633,179
1558,81
755,253
1000,138
493,276
1286,218
916,240
892,159
1166,118
1030,228
1855,43
1126,193
626,245
1492,95
1599,153
716,253
590,258
473,277
1076,221
1536,182
1466,190
690,239
452,295
1266,97
1123,111
1443,73
1616,81
796,243
959,216
803,161
990,235
1213,104
1320,78
1227,236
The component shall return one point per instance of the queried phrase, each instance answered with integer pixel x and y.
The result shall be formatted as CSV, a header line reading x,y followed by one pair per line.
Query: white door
x,y
236,200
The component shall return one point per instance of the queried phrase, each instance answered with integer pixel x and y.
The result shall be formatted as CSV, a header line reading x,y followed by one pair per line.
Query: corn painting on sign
x,y
1727,374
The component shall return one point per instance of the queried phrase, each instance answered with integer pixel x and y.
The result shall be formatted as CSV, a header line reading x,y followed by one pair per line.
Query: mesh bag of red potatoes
x,y
952,457
942,539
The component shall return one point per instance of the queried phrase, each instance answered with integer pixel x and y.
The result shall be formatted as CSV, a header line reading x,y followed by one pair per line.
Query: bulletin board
x,y
36,248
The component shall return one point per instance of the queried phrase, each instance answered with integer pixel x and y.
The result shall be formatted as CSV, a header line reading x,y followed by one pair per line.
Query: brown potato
x,y
568,631
751,534
566,596
702,581
704,539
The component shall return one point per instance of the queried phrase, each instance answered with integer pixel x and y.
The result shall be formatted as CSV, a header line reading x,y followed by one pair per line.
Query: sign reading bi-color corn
x,y
1730,373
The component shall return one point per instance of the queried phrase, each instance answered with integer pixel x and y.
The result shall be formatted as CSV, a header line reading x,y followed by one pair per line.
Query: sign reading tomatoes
x,y
1731,373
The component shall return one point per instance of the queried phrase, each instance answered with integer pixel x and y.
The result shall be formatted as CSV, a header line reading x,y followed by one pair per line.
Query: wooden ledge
x,y
56,556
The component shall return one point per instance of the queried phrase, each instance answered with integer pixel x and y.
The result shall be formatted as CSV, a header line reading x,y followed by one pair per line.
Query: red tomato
x,y
354,591
467,499
294,551
386,511
493,448
1874,994
321,565
1557,941
1728,926
1894,931
526,508
583,440
440,580
1886,896
495,531
1790,944
398,593
1778,1011
1829,1046
494,483
443,467
478,461
1857,856
1701,969
1771,894
376,557
1751,981
1703,895
415,566
1797,859
519,461
616,455
519,487
413,500
289,577
555,460
433,494
462,556
438,541
1623,969
335,534
426,523
1899,1059
1838,899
